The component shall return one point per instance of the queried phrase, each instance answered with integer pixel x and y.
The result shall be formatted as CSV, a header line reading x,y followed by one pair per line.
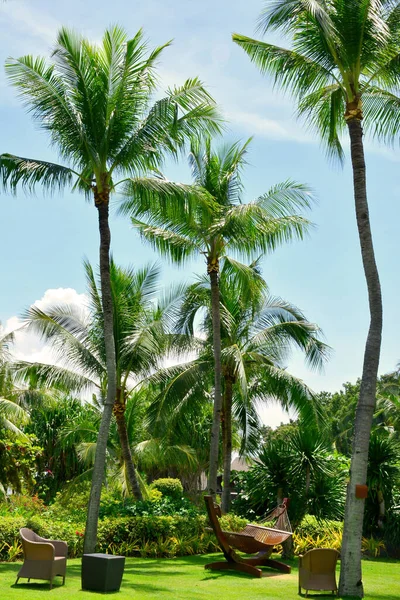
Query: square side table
x,y
102,572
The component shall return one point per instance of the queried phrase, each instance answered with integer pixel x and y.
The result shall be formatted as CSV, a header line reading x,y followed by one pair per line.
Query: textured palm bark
x,y
119,412
227,444
350,574
102,204
215,428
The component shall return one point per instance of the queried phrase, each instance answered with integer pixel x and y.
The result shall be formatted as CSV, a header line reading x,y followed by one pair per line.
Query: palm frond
x,y
52,376
284,14
289,69
16,170
169,242
323,112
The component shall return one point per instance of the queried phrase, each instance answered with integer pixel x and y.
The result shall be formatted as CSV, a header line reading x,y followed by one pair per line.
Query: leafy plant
x,y
372,546
171,488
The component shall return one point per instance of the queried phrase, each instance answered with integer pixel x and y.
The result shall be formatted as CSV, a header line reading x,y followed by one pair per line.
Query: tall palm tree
x,y
95,102
215,228
257,334
77,338
343,70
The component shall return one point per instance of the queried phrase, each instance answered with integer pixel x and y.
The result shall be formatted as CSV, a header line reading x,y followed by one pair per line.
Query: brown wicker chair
x,y
317,570
43,559
253,539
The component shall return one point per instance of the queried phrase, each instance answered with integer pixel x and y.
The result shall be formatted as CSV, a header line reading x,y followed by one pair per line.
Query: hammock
x,y
252,539
258,537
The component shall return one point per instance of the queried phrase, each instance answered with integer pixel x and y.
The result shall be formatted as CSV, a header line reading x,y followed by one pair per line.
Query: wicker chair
x,y
317,570
43,559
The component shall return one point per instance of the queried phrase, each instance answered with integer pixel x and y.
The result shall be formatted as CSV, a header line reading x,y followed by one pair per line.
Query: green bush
x,y
317,533
23,505
172,488
9,536
311,526
149,535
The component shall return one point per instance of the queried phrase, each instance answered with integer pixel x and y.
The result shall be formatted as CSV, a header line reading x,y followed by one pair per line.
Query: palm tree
x,y
12,412
257,334
215,228
343,69
139,339
94,101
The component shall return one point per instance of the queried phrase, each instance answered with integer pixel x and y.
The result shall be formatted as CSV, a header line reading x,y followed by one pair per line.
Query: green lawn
x,y
185,578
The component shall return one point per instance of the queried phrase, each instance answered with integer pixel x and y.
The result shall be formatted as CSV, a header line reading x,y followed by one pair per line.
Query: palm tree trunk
x,y
350,573
119,412
213,269
227,445
102,204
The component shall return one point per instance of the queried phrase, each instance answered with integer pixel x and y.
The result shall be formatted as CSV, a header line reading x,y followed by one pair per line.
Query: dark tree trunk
x,y
102,204
119,411
216,324
227,444
350,573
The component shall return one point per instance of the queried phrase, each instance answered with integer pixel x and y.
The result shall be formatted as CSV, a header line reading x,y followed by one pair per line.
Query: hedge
x,y
145,536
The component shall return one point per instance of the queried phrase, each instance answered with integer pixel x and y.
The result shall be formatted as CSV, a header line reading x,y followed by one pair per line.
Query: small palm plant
x,y
219,225
95,103
343,71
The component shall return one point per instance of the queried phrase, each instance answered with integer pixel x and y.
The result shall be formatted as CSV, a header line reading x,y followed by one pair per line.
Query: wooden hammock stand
x,y
252,539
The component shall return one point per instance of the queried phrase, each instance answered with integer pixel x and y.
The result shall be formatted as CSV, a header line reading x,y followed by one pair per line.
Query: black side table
x,y
102,572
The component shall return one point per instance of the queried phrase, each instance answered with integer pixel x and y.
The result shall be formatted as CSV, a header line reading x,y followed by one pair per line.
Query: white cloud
x,y
28,346
272,414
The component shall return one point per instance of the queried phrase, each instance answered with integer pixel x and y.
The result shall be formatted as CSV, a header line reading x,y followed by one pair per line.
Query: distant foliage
x,y
299,467
392,533
172,488
19,463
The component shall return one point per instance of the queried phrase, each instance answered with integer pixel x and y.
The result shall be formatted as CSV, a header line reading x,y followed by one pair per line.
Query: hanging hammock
x,y
252,539
257,537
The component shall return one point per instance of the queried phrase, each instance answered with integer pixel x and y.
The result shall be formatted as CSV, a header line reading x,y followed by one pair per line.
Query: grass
x,y
185,578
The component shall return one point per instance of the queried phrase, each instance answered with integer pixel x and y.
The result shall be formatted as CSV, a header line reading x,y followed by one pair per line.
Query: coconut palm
x,y
343,70
217,228
77,339
95,103
150,453
257,334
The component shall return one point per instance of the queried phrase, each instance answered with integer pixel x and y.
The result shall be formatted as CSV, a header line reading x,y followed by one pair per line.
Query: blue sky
x,y
43,240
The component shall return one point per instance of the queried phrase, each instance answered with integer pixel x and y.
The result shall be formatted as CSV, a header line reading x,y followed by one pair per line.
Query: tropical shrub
x,y
300,468
372,546
19,463
169,487
22,505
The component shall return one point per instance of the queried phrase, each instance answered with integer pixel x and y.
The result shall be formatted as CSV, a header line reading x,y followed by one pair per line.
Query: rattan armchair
x,y
43,559
317,570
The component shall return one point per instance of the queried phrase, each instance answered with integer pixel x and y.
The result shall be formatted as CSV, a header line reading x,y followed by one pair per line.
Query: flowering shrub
x,y
19,463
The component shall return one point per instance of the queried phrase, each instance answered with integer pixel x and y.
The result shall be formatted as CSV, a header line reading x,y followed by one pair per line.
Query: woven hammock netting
x,y
278,533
